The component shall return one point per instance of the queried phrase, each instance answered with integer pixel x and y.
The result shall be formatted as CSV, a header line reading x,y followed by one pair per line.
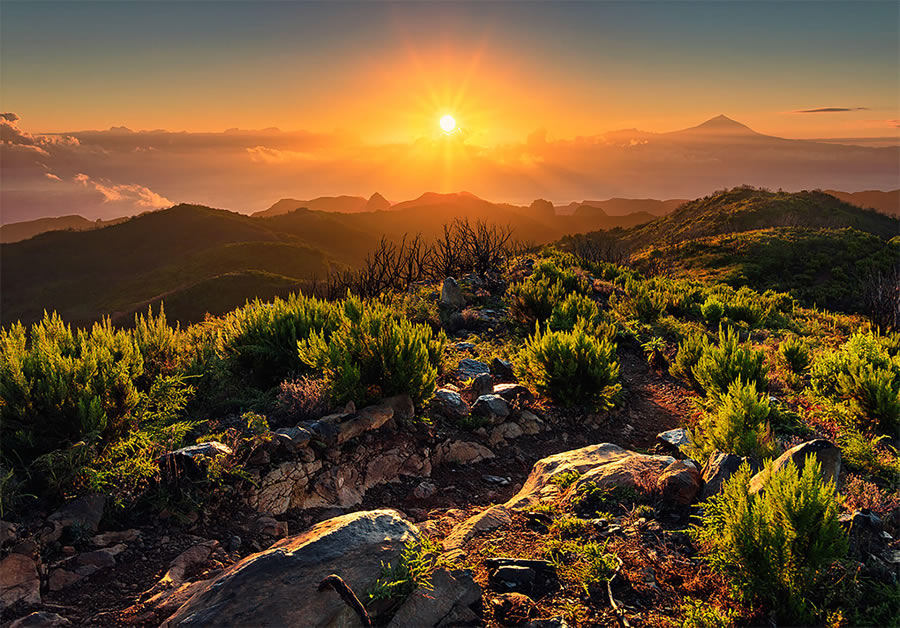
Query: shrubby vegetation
x,y
775,547
730,360
738,424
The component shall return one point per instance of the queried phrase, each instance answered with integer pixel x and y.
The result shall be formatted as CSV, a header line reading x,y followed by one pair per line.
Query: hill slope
x,y
18,231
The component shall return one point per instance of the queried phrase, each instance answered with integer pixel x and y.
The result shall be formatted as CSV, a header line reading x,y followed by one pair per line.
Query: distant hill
x,y
885,202
625,206
17,231
339,204
182,253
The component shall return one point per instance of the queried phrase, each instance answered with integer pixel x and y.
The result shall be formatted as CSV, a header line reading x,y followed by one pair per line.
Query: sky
x,y
343,79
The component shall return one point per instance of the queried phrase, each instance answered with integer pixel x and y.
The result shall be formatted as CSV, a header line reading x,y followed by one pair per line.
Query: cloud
x,y
10,117
52,176
831,110
266,155
139,195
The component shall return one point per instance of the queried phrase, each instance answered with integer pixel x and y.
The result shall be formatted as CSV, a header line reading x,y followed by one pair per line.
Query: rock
x,y
489,519
325,432
451,404
19,581
495,479
84,512
190,460
469,368
293,439
502,369
112,538
482,384
282,488
512,609
453,591
9,533
492,407
552,622
451,294
718,468
461,452
513,578
424,490
464,346
280,586
680,483
606,465
369,418
505,431
234,543
41,619
191,559
865,532
826,452
102,559
62,578
269,526
402,405
513,392
675,439
530,423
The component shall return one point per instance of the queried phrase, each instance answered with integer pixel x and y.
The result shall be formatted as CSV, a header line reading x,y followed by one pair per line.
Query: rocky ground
x,y
472,490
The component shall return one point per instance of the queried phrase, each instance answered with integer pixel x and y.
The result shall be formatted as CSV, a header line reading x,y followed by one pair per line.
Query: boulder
x,y
530,423
512,609
101,558
492,407
503,369
451,294
469,368
605,465
113,538
718,468
485,521
326,432
451,404
192,559
513,392
674,440
828,455
505,431
41,619
424,490
865,533
369,418
482,384
529,576
9,533
680,483
293,439
19,581
83,512
461,452
280,586
452,594
280,489
61,578
190,460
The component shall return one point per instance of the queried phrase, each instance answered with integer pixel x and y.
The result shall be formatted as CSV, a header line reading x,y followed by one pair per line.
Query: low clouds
x,y
138,195
831,110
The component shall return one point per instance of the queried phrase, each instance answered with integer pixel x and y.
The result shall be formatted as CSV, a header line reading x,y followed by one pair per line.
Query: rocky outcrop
x,y
485,521
451,404
679,483
461,452
469,368
718,468
828,455
451,294
448,603
279,587
605,465
19,581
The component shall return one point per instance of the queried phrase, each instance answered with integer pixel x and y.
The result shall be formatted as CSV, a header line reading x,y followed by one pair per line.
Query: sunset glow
x,y
448,123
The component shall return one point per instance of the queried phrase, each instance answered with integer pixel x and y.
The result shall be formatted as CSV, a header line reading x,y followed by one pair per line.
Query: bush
x,y
375,353
712,311
776,546
690,350
575,306
699,614
720,365
794,354
258,342
571,367
534,299
739,425
641,301
303,399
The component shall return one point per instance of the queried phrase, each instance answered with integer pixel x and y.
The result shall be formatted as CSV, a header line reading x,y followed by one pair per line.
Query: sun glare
x,y
448,123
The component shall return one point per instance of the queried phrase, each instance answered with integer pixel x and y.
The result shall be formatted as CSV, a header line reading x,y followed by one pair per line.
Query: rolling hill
x,y
17,231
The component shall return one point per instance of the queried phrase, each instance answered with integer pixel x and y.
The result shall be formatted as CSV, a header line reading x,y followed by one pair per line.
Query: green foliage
x,y
571,367
565,479
583,563
163,348
641,301
375,353
776,546
738,425
548,286
412,570
690,350
864,374
873,456
258,342
573,308
568,527
712,310
793,353
728,361
654,351
700,614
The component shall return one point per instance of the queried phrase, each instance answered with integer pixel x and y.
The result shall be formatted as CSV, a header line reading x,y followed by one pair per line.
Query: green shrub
x,y
575,306
690,350
571,367
565,479
413,569
793,353
163,348
712,311
654,351
776,546
258,342
375,353
584,564
738,425
730,360
873,456
640,301
700,614
548,286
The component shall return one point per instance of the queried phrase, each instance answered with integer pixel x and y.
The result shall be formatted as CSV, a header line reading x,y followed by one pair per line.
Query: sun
x,y
448,123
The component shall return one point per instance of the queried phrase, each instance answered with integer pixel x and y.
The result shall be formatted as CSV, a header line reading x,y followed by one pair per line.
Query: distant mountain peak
x,y
377,202
722,124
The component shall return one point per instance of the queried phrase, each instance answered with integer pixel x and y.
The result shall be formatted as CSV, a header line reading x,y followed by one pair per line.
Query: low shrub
x,y
712,310
375,353
728,361
792,352
738,425
640,301
534,299
774,547
584,564
303,399
571,367
654,351
569,311
690,350
700,614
